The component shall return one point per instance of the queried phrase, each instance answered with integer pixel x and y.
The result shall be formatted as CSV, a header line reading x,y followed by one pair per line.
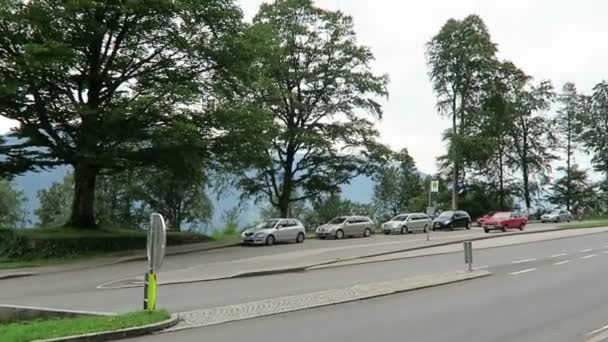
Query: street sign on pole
x,y
434,186
157,240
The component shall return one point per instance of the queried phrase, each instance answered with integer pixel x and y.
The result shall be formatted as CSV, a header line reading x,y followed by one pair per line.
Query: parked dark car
x,y
452,219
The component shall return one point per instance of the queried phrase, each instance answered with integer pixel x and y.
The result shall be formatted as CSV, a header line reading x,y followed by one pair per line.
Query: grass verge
x,y
586,224
43,329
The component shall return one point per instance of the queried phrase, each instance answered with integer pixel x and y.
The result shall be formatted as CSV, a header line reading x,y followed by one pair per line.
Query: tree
x,y
460,58
106,85
532,134
595,126
573,189
569,127
55,202
317,83
397,185
12,213
179,197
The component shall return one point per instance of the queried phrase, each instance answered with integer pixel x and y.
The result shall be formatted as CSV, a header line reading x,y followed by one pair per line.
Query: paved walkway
x,y
273,306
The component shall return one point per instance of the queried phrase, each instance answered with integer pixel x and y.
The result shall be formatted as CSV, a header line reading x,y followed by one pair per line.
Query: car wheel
x,y
504,229
387,233
404,230
300,238
367,232
521,227
433,229
426,228
558,220
339,234
270,240
322,237
468,226
486,231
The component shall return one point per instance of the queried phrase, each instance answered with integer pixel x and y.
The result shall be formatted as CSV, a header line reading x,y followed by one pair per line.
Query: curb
x,y
17,275
118,334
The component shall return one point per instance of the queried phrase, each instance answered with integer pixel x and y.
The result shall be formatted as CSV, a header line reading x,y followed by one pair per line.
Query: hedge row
x,y
27,245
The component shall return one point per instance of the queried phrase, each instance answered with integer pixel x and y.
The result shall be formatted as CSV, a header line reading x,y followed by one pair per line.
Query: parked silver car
x,y
275,230
342,226
407,223
556,215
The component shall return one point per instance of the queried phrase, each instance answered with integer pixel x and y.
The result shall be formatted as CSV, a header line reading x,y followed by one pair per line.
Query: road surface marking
x,y
561,262
586,250
559,255
522,261
481,267
523,271
588,256
597,330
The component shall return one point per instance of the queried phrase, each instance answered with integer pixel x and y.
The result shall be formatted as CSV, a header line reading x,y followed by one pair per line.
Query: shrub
x,y
41,243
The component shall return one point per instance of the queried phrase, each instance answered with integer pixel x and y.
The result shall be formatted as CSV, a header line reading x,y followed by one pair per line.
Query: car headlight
x,y
447,222
259,234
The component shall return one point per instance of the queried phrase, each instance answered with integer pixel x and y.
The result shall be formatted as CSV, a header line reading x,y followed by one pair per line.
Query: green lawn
x,y
586,224
36,330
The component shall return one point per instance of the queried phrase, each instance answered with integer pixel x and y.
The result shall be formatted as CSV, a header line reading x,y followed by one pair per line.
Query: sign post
x,y
468,254
157,238
430,211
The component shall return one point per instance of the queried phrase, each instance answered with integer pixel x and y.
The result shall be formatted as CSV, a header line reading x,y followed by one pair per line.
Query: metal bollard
x,y
468,254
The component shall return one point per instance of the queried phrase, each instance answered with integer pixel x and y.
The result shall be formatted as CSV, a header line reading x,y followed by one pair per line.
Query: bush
x,y
56,243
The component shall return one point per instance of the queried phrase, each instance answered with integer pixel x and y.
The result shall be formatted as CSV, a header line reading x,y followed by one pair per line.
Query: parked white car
x,y
407,223
342,226
557,215
275,230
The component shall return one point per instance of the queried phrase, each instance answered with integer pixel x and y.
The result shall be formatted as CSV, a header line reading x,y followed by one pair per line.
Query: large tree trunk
x,y
455,159
83,205
501,192
569,168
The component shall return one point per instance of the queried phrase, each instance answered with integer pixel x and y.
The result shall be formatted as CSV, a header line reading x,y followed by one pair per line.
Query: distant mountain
x,y
359,190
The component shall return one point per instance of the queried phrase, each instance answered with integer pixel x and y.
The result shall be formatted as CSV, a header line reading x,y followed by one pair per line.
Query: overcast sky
x,y
561,40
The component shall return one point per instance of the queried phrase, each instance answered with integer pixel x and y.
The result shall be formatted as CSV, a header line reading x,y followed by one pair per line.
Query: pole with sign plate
x,y
157,240
430,211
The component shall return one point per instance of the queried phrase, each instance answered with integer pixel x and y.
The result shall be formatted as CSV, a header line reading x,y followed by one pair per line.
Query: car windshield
x,y
555,212
447,214
400,218
502,215
338,220
268,224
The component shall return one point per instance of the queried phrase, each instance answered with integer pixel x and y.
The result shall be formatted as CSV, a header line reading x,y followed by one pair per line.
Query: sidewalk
x,y
112,259
302,260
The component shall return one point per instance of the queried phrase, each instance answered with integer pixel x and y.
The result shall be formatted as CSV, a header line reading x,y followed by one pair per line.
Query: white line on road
x,y
522,261
561,262
597,330
523,271
588,256
559,255
481,267
586,250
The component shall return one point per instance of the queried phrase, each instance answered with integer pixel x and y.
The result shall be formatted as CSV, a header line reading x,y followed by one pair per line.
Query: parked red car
x,y
481,220
504,220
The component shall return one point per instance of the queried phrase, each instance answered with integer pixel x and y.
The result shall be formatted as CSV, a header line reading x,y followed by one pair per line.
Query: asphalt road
x,y
71,292
546,291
